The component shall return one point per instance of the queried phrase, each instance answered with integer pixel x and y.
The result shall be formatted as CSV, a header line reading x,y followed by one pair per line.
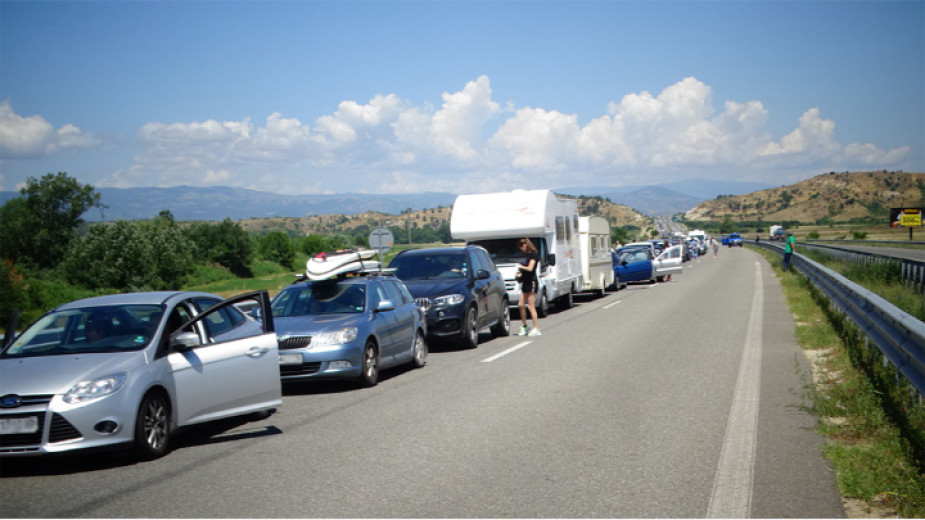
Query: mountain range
x,y
220,202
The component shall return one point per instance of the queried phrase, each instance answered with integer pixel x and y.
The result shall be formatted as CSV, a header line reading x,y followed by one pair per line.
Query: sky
x,y
366,96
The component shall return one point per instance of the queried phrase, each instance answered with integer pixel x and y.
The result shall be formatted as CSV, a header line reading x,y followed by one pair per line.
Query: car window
x,y
406,293
424,266
321,297
88,330
393,292
231,314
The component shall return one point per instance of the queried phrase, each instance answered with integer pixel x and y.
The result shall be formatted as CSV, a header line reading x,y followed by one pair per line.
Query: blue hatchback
x,y
348,328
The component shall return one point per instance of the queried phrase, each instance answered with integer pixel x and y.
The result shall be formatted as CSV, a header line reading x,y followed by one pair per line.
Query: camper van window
x,y
560,229
575,223
506,250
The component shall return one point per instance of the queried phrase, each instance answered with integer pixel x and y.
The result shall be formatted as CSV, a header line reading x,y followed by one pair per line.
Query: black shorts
x,y
529,286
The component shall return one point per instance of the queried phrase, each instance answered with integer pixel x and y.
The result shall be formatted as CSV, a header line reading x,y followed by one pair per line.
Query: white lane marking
x,y
609,305
506,352
732,486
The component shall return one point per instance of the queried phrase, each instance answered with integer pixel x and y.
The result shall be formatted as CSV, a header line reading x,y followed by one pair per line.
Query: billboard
x,y
906,217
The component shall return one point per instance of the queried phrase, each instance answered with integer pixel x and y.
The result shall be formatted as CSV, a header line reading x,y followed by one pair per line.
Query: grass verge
x,y
874,421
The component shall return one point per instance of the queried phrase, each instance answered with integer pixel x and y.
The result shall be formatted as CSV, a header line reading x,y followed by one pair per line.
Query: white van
x,y
596,262
496,221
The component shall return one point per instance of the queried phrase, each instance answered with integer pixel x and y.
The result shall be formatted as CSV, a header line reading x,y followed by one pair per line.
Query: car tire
x,y
369,373
542,306
419,355
470,332
566,301
503,327
152,427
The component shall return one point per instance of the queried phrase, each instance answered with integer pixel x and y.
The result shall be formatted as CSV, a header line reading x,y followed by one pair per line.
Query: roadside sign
x,y
906,217
381,240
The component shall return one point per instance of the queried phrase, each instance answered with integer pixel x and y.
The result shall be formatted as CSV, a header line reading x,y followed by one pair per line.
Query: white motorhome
x,y
596,262
496,221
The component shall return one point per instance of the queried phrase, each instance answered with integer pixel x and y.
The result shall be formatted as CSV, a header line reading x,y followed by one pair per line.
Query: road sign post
x,y
381,240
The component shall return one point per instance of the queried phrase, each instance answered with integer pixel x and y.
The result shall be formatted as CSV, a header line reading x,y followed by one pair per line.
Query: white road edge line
x,y
506,352
609,305
732,486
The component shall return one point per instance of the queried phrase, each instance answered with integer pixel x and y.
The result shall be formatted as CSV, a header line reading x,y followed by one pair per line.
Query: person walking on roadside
x,y
789,246
529,285
715,246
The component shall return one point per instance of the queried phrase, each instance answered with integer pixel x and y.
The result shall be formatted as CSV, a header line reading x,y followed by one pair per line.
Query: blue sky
x,y
464,97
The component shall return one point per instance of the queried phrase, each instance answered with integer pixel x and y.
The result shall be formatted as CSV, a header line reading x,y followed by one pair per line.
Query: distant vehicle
x,y
596,264
496,221
464,289
732,239
129,370
777,233
348,327
701,236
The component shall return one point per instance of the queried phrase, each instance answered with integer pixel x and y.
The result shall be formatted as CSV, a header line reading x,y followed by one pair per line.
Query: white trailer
x,y
496,221
596,262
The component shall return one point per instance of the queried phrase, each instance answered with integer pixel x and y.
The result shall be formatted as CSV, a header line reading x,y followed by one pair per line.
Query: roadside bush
x,y
130,256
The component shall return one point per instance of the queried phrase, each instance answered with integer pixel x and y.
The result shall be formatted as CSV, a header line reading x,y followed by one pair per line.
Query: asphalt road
x,y
673,400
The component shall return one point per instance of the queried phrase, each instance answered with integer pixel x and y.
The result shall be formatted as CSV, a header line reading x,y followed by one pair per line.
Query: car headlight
x,y
338,337
450,299
94,388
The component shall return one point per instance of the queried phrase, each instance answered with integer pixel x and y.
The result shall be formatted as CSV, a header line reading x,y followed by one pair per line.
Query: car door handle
x,y
255,352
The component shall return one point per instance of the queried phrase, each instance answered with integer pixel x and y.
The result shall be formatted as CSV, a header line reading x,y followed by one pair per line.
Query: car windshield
x,y
503,250
427,266
88,330
321,297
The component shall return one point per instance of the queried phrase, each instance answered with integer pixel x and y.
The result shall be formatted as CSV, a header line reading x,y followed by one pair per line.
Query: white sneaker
x,y
535,332
523,331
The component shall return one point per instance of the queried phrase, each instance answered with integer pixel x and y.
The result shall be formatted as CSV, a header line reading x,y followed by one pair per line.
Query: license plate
x,y
290,359
19,425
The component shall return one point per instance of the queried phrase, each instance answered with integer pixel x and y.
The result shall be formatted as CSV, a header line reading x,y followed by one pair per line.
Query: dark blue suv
x,y
464,288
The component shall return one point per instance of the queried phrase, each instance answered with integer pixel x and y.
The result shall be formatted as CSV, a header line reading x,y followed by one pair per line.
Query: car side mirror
x,y
482,274
385,305
551,260
185,341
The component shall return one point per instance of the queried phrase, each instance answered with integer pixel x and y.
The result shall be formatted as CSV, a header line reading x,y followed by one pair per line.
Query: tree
x,y
276,247
131,256
225,243
38,227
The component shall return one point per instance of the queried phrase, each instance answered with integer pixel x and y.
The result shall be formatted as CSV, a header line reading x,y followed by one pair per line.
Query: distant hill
x,y
665,199
839,197
220,202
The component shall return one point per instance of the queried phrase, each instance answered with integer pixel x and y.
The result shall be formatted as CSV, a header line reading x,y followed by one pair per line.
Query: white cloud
x,y
386,145
33,137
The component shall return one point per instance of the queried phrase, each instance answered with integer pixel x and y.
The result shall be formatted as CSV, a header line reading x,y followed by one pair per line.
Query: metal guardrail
x,y
913,271
898,335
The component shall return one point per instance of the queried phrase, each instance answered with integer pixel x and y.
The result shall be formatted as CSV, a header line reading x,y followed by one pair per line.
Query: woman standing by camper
x,y
529,284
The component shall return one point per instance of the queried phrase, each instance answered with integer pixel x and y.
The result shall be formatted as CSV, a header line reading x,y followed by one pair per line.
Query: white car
x,y
127,370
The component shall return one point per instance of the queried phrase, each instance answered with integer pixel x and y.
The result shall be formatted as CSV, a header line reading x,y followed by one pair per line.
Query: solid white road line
x,y
732,486
506,352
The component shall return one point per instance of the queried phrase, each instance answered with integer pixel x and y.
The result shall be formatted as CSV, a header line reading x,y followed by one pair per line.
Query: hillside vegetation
x,y
827,198
434,218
